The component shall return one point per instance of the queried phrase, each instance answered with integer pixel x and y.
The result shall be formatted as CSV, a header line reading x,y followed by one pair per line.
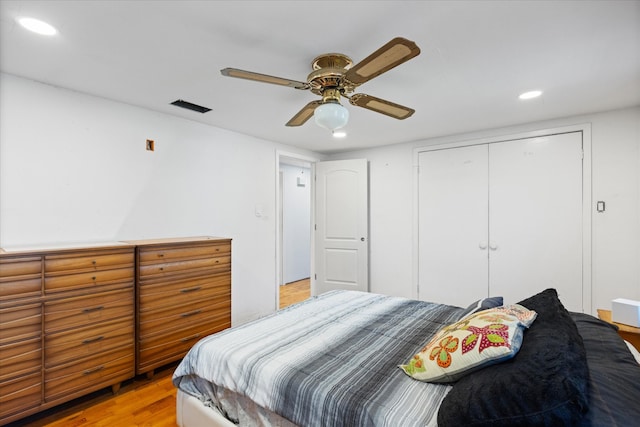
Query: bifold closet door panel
x,y
535,225
453,209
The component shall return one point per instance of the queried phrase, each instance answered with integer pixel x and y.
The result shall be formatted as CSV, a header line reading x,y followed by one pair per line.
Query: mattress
x,y
311,364
318,362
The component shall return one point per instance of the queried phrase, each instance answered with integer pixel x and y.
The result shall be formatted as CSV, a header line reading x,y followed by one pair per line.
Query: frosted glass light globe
x,y
331,115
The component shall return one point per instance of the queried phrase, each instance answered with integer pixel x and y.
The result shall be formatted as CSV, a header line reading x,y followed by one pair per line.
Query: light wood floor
x,y
294,292
141,401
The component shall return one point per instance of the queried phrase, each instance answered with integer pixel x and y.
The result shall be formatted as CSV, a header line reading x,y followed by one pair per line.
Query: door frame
x,y
291,158
587,213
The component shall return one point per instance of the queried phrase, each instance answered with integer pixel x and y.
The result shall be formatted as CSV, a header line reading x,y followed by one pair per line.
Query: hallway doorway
x,y
294,237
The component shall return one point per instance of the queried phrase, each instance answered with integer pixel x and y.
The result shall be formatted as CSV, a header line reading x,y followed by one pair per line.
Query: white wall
x,y
296,230
615,179
74,168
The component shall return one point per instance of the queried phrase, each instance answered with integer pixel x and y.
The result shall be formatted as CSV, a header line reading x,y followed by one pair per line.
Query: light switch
x,y
600,206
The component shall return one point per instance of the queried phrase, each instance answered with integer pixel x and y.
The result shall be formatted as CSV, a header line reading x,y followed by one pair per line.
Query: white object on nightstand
x,y
626,311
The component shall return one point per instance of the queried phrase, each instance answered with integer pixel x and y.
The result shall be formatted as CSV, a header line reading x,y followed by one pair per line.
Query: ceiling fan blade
x,y
378,105
303,115
392,54
249,75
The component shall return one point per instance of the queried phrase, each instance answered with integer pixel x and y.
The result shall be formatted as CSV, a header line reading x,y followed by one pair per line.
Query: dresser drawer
x,y
193,331
19,358
162,350
92,262
91,374
20,394
181,317
88,341
11,268
20,323
21,288
88,280
20,277
88,309
183,292
191,267
167,254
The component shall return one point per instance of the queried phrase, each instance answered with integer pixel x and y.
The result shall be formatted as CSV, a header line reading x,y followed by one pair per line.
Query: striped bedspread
x,y
329,361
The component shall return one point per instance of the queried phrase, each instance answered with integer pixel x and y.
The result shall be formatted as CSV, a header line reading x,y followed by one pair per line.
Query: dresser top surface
x,y
78,246
11,250
196,239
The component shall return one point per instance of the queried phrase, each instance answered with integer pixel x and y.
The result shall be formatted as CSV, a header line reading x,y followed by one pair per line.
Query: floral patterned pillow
x,y
481,339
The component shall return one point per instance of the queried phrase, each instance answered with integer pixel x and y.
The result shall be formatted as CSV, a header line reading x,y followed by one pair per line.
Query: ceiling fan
x,y
334,76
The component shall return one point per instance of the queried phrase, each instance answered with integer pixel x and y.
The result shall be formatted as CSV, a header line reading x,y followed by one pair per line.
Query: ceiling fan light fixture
x,y
331,115
334,76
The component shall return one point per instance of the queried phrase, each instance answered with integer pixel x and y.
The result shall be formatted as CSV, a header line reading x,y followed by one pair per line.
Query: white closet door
x,y
453,225
535,228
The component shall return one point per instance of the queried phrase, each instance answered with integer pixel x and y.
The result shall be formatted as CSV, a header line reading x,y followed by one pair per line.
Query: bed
x,y
349,358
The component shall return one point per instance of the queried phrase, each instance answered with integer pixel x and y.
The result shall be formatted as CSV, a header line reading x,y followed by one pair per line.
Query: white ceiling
x,y
477,56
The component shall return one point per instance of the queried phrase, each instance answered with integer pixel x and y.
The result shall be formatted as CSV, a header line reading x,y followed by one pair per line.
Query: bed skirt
x,y
191,412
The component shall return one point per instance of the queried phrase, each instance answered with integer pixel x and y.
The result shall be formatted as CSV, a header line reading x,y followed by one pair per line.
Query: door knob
x,y
493,246
482,245
362,239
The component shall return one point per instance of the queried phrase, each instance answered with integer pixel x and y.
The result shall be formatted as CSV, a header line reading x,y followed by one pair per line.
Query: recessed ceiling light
x,y
339,134
531,94
37,26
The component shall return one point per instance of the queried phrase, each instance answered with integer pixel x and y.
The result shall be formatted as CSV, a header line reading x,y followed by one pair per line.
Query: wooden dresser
x,y
184,294
66,325
75,320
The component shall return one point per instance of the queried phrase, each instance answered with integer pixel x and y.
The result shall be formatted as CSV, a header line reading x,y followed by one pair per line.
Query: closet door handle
x,y
493,246
482,245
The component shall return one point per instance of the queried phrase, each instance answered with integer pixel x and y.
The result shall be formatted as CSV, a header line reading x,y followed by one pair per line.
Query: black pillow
x,y
545,384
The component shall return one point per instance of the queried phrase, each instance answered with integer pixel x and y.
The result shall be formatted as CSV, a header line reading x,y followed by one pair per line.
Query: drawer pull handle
x,y
191,313
94,262
195,288
91,371
93,278
192,337
90,340
160,255
89,310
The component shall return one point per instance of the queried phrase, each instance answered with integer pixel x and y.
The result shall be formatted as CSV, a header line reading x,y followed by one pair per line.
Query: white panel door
x,y
453,241
342,226
535,228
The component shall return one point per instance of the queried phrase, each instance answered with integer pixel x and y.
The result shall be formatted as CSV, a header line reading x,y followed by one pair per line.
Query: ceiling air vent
x,y
190,106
